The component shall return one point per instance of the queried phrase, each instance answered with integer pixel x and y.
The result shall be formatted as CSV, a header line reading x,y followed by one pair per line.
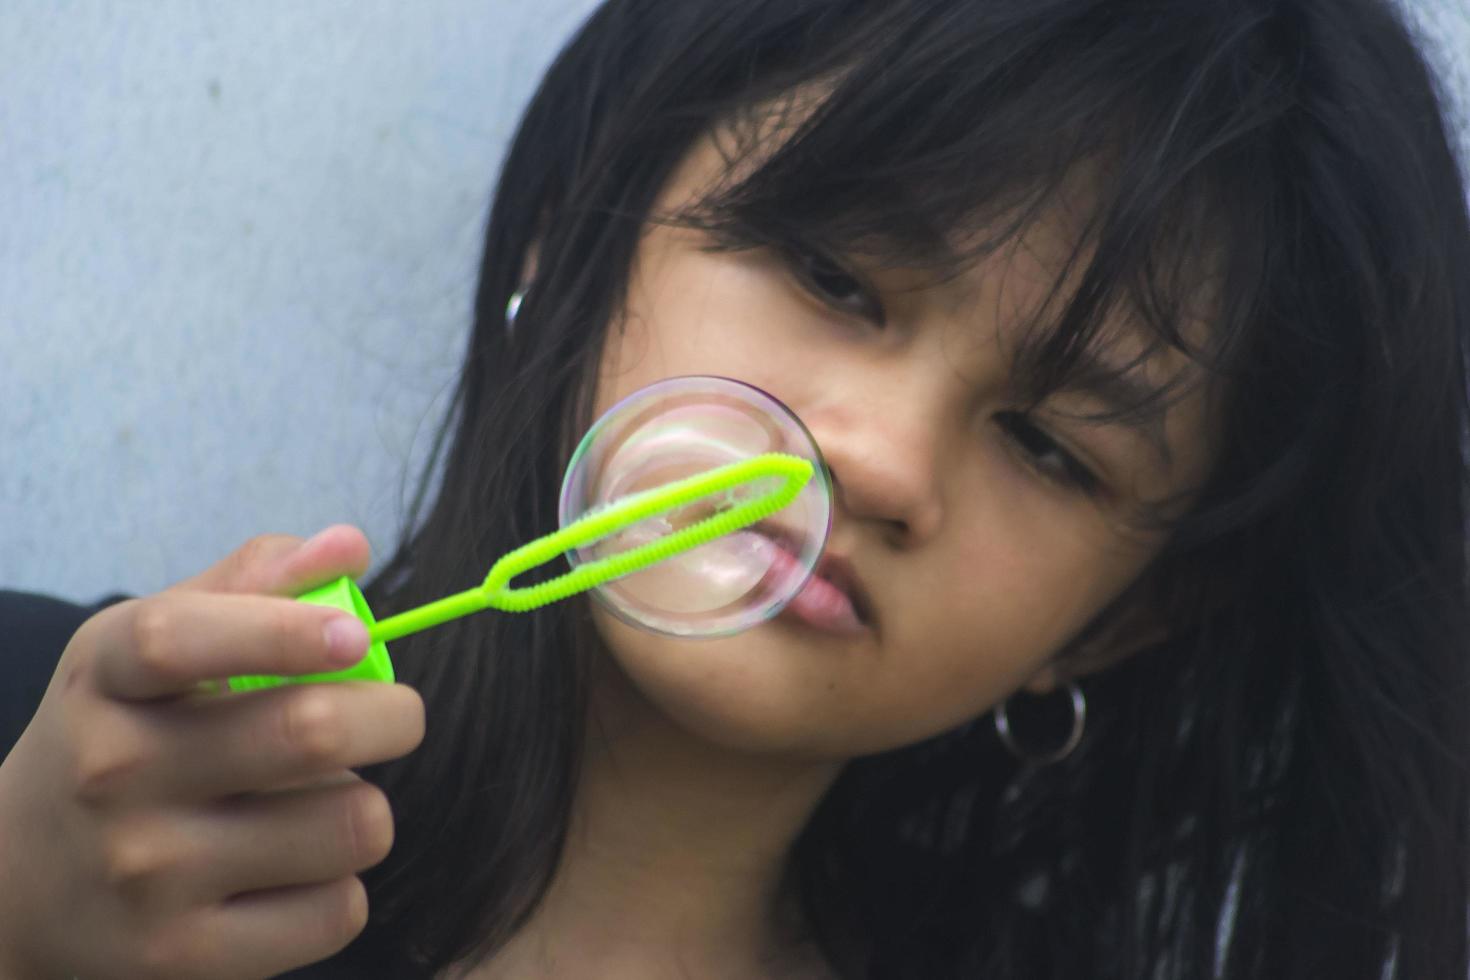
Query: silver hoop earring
x,y
1079,721
512,308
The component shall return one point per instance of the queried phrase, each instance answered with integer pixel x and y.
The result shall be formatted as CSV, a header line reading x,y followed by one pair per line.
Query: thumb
x,y
285,565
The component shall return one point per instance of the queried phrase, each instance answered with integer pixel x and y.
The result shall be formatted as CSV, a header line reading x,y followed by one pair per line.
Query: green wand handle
x,y
791,474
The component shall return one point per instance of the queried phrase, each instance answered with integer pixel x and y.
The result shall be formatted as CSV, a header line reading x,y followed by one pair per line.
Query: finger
x,y
171,643
302,837
281,737
262,934
279,564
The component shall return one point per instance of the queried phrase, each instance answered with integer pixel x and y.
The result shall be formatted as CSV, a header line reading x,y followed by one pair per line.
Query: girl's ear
x,y
1133,623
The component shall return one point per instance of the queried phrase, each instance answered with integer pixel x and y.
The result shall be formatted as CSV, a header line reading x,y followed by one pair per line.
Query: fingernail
x,y
347,641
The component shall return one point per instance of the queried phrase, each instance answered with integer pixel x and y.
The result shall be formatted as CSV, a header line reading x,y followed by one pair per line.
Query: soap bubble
x,y
674,429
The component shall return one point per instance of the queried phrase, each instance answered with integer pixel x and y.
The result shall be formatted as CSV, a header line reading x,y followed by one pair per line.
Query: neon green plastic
x,y
496,592
342,594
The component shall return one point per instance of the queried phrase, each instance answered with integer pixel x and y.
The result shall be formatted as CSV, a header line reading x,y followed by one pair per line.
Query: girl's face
x,y
981,537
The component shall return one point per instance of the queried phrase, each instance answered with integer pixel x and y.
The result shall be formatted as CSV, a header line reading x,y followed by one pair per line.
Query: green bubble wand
x,y
719,485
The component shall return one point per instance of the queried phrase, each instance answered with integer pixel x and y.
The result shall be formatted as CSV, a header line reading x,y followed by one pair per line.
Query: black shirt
x,y
34,630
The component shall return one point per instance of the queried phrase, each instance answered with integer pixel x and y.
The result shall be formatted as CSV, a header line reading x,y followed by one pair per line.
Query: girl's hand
x,y
151,829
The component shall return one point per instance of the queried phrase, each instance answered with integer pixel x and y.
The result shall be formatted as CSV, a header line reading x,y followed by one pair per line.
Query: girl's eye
x,y
834,286
1044,454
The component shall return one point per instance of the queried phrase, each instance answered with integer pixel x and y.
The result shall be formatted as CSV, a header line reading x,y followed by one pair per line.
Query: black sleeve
x,y
34,629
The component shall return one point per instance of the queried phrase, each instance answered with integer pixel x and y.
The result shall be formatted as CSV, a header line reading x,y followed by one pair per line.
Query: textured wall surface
x,y
236,263
237,245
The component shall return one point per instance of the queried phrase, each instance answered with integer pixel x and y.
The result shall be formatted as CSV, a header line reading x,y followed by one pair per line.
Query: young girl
x,y
1134,336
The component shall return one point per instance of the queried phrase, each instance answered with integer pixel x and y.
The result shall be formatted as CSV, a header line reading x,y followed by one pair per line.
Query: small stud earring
x,y
512,308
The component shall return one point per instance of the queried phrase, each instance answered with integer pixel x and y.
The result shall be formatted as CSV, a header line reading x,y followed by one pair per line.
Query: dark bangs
x,y
934,142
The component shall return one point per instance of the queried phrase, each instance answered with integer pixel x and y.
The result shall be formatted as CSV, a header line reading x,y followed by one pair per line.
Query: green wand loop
x,y
718,486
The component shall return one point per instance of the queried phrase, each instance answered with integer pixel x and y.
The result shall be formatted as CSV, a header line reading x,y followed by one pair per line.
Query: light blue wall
x,y
236,257
237,246
1444,28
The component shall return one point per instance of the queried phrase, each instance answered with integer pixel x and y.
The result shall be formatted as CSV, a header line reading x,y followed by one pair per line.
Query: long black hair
x,y
1277,789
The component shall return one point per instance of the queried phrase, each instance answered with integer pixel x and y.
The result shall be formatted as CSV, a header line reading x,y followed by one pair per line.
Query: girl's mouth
x,y
831,600
824,606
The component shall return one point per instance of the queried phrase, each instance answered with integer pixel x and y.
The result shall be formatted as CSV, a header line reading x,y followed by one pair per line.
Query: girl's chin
x,y
749,692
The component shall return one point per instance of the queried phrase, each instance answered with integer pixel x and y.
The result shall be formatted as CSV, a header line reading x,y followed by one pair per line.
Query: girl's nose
x,y
885,464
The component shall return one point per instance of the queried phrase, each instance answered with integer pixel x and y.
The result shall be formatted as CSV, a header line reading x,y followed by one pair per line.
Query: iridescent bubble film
x,y
678,428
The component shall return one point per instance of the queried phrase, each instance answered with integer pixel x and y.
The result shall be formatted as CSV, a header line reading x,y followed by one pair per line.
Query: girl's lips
x,y
823,605
829,598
